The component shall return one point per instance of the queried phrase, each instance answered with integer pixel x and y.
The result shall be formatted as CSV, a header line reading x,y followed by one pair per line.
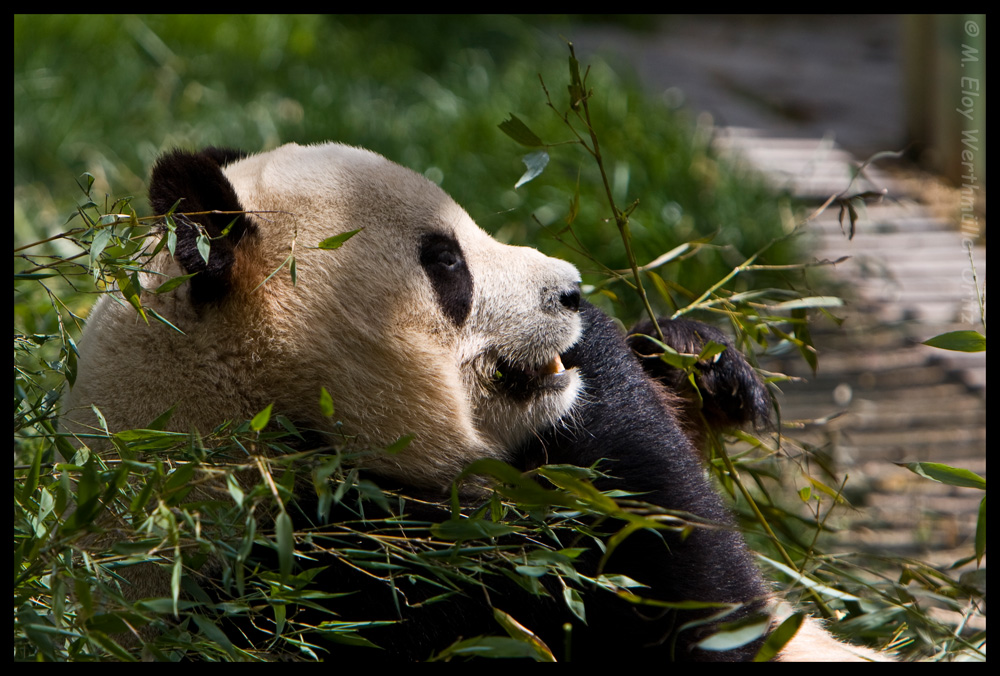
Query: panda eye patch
x,y
441,258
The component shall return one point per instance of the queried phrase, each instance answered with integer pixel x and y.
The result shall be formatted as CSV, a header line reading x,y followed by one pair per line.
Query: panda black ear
x,y
197,180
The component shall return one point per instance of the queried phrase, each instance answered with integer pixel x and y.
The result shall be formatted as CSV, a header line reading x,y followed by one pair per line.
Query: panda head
x,y
420,324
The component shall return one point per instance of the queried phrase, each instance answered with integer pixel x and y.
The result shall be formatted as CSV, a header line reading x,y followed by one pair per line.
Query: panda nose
x,y
570,299
560,298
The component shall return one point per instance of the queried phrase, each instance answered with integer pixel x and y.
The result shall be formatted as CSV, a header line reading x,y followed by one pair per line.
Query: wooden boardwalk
x,y
909,277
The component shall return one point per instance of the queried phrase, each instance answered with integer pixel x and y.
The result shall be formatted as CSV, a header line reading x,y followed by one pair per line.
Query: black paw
x,y
732,393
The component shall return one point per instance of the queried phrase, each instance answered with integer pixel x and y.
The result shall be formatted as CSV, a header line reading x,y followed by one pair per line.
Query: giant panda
x,y
423,326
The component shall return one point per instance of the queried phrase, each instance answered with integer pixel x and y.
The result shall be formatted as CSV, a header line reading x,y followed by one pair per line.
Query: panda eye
x,y
448,259
441,252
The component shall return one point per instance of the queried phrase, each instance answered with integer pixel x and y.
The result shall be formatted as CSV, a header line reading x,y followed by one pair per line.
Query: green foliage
x,y
960,341
87,509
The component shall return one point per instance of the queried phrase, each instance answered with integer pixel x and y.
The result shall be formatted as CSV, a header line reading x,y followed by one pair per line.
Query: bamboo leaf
x,y
337,241
536,163
808,582
959,341
519,632
779,638
518,130
325,403
260,420
981,531
173,283
285,536
736,634
810,302
399,444
204,245
945,474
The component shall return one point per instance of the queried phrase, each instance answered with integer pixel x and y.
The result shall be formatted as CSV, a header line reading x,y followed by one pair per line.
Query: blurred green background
x,y
108,94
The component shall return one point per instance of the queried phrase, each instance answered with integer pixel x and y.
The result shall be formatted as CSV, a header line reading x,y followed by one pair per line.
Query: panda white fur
x,y
422,324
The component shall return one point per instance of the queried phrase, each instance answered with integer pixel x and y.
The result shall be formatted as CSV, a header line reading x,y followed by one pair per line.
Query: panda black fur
x,y
502,359
631,421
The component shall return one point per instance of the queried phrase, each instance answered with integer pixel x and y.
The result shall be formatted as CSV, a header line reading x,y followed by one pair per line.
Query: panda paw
x,y
732,393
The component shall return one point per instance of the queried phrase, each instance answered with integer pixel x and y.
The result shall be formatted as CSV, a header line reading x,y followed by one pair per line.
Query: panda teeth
x,y
553,367
520,380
